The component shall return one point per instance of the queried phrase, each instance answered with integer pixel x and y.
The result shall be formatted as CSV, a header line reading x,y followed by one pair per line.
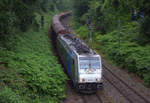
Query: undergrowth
x,y
32,73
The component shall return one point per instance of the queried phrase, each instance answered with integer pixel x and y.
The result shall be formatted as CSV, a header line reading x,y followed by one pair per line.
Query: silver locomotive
x,y
83,65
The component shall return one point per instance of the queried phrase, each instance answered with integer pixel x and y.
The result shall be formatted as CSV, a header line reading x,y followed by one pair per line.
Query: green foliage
x,y
14,15
8,96
83,32
80,7
130,55
45,5
33,72
19,15
97,15
8,20
147,79
67,5
23,18
6,26
145,31
106,13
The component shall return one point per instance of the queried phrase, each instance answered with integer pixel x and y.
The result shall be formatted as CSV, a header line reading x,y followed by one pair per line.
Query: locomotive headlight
x,y
98,79
82,80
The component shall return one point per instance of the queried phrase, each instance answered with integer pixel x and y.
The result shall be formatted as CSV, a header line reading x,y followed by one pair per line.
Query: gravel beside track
x,y
123,87
114,96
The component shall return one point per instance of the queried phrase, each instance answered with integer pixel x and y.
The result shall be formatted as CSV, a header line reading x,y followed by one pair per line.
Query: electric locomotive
x,y
83,65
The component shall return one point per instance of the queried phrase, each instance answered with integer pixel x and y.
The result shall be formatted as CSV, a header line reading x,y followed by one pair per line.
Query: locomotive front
x,y
90,72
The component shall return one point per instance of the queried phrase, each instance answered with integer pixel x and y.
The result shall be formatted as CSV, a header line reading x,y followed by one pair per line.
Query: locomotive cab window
x,y
89,63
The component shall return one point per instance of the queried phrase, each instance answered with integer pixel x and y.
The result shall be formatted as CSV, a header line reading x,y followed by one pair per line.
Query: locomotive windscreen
x,y
89,63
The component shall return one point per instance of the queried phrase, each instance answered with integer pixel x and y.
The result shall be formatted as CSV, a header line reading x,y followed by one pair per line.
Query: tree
x,y
144,30
15,15
80,7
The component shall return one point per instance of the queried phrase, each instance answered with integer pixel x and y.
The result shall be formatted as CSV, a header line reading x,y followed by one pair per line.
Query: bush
x,y
130,55
83,33
147,79
145,31
8,96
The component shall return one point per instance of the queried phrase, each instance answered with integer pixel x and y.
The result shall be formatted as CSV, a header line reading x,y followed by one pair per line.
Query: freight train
x,y
83,65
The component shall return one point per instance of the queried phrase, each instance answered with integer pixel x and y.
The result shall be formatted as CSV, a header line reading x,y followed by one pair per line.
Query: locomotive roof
x,y
77,45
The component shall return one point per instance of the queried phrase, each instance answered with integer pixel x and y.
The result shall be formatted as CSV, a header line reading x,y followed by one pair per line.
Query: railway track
x,y
74,97
94,98
129,93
